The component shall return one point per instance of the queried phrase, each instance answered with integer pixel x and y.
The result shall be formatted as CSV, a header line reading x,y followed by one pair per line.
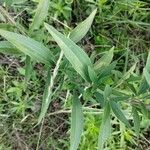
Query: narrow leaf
x,y
147,76
136,119
92,74
119,114
126,75
105,60
80,31
144,84
29,46
107,92
148,63
8,48
105,129
76,56
40,15
76,124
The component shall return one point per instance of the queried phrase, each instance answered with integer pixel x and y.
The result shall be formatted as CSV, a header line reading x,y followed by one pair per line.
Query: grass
x,y
104,77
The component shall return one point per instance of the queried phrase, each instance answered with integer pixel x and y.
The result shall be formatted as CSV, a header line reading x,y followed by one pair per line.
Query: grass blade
x,y
105,129
29,46
76,56
80,31
76,123
119,114
40,15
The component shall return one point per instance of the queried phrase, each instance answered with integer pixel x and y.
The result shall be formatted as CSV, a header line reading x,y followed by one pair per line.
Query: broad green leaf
x,y
80,31
136,119
8,48
41,13
76,56
119,114
105,60
147,76
29,46
105,129
76,124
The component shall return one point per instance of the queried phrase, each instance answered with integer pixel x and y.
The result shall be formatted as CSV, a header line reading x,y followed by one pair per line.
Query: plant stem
x,y
50,88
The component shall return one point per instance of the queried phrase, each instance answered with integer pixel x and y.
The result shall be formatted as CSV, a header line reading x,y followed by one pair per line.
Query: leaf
x,y
126,75
8,48
148,63
80,31
144,110
107,92
40,15
105,129
136,119
105,60
144,85
76,56
100,99
147,76
29,46
119,114
76,124
46,97
92,75
2,18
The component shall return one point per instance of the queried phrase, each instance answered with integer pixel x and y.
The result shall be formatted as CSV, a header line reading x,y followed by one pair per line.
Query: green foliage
x,y
108,71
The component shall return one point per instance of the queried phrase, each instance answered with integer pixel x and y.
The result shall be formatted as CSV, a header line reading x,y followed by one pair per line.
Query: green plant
x,y
102,83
